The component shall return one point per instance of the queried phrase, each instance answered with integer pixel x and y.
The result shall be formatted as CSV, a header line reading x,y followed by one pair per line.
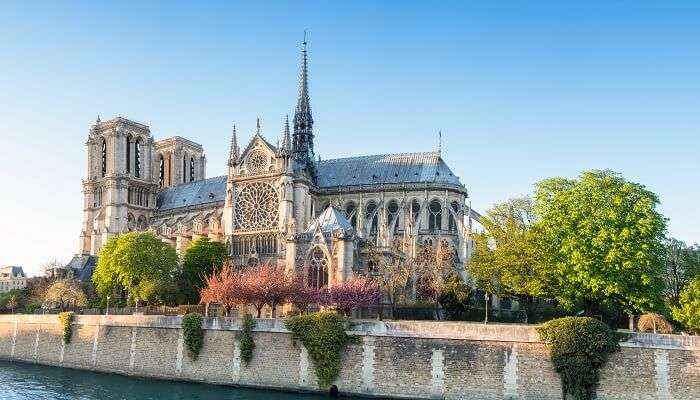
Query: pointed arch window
x,y
318,269
351,214
415,210
392,215
452,222
370,213
191,169
137,158
128,155
104,157
184,169
161,167
435,217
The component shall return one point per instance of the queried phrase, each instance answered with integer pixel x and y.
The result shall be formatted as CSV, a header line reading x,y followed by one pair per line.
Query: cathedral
x,y
278,203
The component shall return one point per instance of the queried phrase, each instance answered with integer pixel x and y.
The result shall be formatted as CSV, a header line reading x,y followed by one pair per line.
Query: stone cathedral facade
x,y
277,203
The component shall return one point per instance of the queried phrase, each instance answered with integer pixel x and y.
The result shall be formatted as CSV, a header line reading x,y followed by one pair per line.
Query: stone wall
x,y
404,359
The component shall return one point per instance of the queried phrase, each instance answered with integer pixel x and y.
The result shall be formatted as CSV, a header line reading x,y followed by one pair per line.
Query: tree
x,y
600,239
223,287
393,277
11,303
682,266
132,264
355,292
303,295
434,266
688,310
455,297
266,285
65,293
201,257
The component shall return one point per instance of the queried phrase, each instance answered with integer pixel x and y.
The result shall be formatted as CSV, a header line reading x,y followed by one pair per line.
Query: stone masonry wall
x,y
393,359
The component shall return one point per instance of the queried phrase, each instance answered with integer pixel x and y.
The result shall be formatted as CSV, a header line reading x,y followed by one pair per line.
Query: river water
x,y
19,381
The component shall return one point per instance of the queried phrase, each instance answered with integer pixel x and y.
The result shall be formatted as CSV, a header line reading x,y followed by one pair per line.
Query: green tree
x,y
682,266
504,261
131,265
455,297
688,310
201,258
600,239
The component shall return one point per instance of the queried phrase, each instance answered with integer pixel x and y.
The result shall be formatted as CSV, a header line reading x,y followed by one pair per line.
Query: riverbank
x,y
402,359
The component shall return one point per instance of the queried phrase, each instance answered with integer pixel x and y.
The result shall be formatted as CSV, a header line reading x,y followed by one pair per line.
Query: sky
x,y
521,90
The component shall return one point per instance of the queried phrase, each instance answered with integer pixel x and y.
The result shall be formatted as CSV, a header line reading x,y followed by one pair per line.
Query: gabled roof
x,y
207,191
330,220
83,266
386,169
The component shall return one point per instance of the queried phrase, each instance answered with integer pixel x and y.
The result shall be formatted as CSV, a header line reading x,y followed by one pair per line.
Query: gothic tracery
x,y
256,207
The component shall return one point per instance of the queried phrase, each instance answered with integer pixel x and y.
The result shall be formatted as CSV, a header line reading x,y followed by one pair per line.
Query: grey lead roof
x,y
386,169
352,171
330,220
195,193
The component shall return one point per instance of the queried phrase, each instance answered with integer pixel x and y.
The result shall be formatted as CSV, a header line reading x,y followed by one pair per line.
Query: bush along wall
x,y
66,319
193,333
247,342
579,347
323,335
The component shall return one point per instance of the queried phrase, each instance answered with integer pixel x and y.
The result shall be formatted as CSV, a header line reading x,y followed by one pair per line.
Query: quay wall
x,y
400,359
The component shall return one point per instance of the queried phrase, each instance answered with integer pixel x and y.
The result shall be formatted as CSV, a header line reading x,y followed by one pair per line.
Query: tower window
x,y
128,155
191,169
318,269
104,158
161,175
184,169
137,158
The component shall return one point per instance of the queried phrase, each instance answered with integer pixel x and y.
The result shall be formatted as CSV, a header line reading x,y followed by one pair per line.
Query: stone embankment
x,y
401,359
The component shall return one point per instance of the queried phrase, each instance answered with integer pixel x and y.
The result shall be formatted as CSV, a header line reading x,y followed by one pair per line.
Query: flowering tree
x,y
266,284
353,293
65,293
303,296
224,287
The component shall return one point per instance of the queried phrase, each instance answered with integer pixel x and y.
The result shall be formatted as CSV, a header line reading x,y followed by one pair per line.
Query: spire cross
x,y
258,126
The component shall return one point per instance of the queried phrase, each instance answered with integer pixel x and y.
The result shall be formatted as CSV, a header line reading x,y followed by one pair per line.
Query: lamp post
x,y
107,310
486,308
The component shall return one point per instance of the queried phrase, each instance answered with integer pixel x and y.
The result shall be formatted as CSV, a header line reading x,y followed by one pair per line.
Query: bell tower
x,y
119,190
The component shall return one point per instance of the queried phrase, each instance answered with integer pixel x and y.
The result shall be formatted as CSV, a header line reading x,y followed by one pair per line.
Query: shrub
x,y
193,333
455,298
247,342
323,335
66,319
30,308
688,312
579,347
654,323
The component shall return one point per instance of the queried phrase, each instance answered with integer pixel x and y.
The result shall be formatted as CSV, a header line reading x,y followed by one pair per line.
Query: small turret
x,y
235,152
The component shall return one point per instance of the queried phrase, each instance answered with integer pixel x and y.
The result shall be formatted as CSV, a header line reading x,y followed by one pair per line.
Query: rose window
x,y
257,162
256,207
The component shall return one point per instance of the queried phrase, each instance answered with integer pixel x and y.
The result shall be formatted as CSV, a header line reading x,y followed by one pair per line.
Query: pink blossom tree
x,y
223,287
353,293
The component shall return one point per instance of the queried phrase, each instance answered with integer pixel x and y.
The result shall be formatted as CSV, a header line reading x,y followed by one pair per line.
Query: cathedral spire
x,y
303,140
286,141
234,152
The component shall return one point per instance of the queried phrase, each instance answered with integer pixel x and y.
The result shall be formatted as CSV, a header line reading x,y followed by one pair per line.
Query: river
x,y
19,381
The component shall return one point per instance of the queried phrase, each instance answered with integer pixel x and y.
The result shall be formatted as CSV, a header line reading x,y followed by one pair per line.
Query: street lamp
x,y
107,310
486,308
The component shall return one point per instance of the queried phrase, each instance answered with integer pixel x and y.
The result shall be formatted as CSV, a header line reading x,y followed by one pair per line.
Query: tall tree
x,y
65,293
134,264
504,261
600,238
682,266
201,258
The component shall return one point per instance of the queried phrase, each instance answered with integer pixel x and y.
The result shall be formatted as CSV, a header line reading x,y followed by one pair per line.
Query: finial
x,y
98,120
234,153
258,126
304,42
286,142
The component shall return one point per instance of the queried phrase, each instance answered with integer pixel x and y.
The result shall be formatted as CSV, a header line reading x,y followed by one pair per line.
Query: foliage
x,y
323,335
135,262
193,333
303,295
201,258
653,322
579,347
433,267
355,292
64,293
11,303
31,307
247,342
504,261
66,319
688,310
455,297
392,273
682,266
600,238
223,287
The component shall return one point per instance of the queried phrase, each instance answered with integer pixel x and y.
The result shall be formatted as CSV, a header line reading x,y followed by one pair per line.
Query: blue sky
x,y
521,90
